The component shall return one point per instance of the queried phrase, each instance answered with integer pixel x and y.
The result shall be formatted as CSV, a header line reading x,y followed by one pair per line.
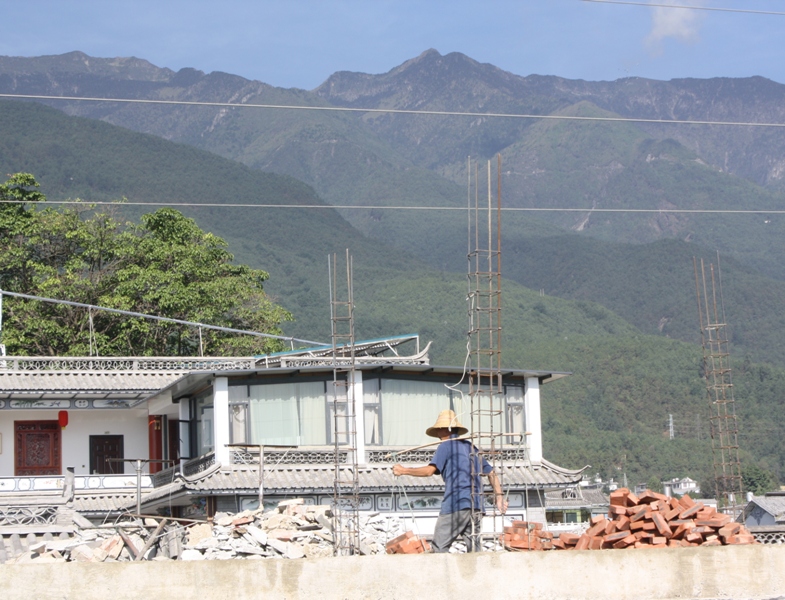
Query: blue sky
x,y
299,43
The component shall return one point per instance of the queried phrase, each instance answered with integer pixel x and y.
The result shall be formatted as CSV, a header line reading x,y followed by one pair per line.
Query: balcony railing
x,y
133,363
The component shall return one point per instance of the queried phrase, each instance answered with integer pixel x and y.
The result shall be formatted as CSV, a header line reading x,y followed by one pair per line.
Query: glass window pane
x,y
409,408
288,413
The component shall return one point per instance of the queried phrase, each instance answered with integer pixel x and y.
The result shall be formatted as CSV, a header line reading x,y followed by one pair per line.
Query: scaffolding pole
x,y
486,392
346,487
719,387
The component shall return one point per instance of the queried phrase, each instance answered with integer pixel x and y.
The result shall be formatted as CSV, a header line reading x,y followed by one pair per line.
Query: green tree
x,y
757,480
166,266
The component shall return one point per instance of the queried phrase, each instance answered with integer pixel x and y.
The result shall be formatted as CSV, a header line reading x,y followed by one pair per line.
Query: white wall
x,y
131,424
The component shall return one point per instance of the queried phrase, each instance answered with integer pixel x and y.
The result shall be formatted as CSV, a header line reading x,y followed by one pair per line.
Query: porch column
x,y
357,397
184,408
531,400
221,419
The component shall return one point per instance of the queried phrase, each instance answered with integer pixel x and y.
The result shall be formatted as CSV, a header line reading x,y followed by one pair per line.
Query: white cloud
x,y
677,23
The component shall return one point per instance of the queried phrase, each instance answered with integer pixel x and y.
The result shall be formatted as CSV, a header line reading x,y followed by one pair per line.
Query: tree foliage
x,y
164,266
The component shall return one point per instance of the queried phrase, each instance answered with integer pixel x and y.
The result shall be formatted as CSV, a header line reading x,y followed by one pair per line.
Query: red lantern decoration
x,y
62,418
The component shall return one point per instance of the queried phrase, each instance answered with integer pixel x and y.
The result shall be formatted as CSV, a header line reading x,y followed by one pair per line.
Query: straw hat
x,y
447,420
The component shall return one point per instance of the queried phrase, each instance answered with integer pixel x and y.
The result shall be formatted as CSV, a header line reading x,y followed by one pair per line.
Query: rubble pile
x,y
292,530
654,520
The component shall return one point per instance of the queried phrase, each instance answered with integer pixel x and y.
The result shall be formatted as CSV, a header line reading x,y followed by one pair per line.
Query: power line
x,y
690,7
88,203
157,318
400,111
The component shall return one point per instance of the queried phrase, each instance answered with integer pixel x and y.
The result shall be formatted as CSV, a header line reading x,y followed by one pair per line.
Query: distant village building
x,y
682,486
766,510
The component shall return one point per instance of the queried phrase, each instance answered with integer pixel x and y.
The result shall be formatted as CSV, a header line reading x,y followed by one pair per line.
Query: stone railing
x,y
768,534
198,464
134,363
49,484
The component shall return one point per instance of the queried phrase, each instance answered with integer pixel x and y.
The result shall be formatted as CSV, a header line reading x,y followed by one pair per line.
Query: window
x,y
279,413
203,406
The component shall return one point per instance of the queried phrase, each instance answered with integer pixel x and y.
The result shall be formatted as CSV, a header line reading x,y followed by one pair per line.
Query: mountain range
x,y
583,287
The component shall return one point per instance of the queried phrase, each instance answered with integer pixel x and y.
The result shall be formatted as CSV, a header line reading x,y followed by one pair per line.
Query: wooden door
x,y
102,448
37,448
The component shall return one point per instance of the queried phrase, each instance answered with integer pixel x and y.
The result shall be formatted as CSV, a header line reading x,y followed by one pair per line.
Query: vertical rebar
x,y
346,486
486,392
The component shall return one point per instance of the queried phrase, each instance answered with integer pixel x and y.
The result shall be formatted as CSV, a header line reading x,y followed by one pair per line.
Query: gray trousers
x,y
450,526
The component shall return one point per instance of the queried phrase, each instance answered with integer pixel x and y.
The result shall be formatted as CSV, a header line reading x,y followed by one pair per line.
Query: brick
x,y
661,525
745,538
598,527
717,521
694,537
672,513
544,535
686,501
400,538
627,541
619,497
683,528
583,542
595,543
596,519
659,540
674,543
661,505
558,544
714,542
615,537
242,521
569,539
691,511
610,527
617,510
623,523
729,529
641,513
633,500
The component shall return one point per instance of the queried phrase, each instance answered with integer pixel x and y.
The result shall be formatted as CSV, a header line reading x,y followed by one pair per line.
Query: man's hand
x,y
501,503
398,470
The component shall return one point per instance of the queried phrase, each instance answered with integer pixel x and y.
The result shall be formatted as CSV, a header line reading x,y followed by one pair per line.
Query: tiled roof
x,y
105,501
94,384
576,497
309,479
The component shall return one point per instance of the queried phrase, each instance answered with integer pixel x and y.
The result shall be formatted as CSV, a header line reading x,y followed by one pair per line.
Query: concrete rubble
x,y
292,530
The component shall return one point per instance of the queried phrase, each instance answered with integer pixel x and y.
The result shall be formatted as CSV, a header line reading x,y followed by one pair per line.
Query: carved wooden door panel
x,y
102,448
37,448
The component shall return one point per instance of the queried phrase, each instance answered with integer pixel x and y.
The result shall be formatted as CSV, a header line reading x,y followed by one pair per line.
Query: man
x,y
460,515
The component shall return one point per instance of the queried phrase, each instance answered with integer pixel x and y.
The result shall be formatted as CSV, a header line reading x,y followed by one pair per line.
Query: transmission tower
x,y
486,392
346,487
719,385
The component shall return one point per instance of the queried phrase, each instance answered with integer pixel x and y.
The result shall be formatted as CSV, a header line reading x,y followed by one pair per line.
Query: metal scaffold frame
x,y
719,386
346,487
486,392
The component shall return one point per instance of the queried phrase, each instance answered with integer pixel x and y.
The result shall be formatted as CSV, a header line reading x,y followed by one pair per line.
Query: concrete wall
x,y
131,424
738,572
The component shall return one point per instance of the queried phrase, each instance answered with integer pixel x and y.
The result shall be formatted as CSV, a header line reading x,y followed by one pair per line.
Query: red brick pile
x,y
407,543
654,520
522,535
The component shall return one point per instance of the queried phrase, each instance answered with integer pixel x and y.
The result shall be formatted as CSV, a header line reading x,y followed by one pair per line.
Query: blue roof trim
x,y
322,348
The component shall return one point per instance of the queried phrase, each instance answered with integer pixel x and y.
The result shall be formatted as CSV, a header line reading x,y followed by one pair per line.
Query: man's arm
x,y
498,495
425,471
